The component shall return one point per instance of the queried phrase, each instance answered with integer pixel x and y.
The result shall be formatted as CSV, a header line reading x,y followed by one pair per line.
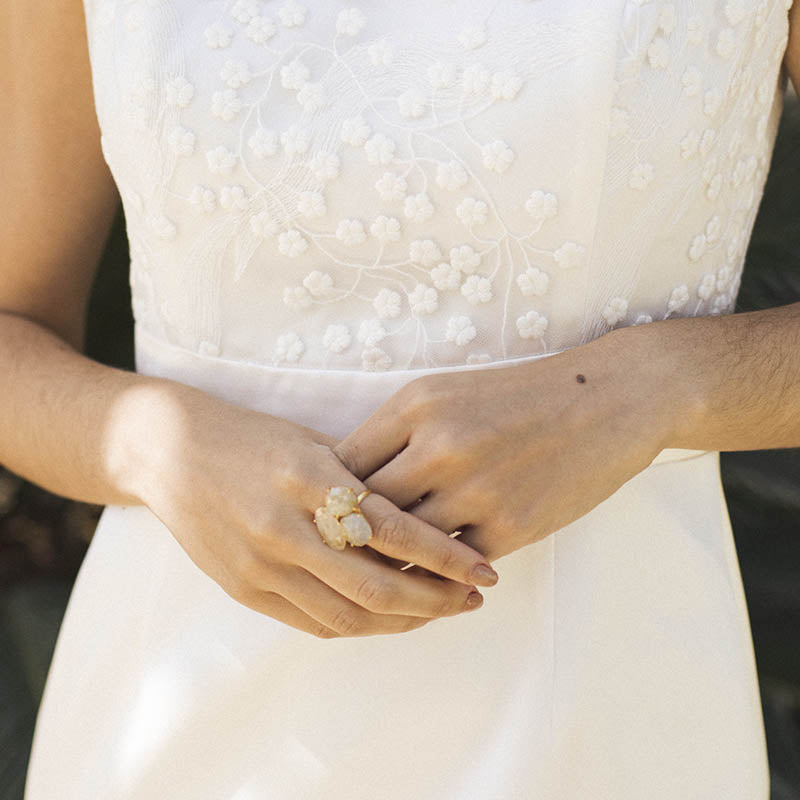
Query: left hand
x,y
511,454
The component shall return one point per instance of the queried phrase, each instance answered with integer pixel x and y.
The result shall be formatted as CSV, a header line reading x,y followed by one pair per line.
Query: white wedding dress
x,y
325,200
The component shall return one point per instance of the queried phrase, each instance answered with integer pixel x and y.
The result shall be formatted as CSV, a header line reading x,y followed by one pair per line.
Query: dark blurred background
x,y
43,537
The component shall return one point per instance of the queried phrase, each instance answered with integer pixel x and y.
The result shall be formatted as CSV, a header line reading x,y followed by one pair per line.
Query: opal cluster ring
x,y
340,520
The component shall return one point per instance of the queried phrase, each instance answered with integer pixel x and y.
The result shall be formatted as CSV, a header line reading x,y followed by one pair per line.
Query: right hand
x,y
238,488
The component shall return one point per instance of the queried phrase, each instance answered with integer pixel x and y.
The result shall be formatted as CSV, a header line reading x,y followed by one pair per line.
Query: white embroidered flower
x,y
692,81
391,186
260,30
370,332
497,155
295,140
481,358
542,205
262,224
379,149
735,11
641,175
292,243
714,187
411,103
311,204
336,338
460,330
296,297
424,251
292,14
719,305
289,347
181,141
311,96
373,358
678,298
707,285
325,165
218,35
355,130
474,79
726,42
381,53
619,121
569,255
221,160
724,276
643,319
450,175
423,299
615,310
533,282
532,325
234,197
713,229
712,100
351,232
226,104
472,211
387,303
350,21
707,140
263,143
294,74
235,73
418,207
164,227
203,199
697,248
477,289
319,284
446,276
441,74
179,92
658,53
245,10
667,18
505,85
472,36
695,32
385,229
689,144
464,258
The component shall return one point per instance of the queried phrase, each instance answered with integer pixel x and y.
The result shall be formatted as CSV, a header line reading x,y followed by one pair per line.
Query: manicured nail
x,y
484,574
474,600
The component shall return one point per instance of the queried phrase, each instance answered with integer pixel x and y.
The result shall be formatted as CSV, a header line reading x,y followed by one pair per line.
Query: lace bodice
x,y
373,185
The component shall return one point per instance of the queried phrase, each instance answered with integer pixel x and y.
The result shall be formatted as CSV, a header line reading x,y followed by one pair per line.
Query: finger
x,y
358,575
374,442
401,535
335,611
400,480
273,605
442,511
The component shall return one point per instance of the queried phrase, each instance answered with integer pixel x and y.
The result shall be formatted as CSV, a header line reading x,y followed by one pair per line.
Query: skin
x,y
97,434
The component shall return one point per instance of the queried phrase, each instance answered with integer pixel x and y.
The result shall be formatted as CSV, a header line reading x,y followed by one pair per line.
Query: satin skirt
x,y
613,659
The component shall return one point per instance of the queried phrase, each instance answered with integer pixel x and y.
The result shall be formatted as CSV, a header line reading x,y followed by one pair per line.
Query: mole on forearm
x,y
580,378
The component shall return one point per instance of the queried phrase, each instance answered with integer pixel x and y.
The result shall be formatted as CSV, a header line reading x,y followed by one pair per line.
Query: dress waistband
x,y
331,401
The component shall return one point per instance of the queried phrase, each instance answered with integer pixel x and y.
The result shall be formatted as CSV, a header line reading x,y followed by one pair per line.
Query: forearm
x,y
734,380
78,428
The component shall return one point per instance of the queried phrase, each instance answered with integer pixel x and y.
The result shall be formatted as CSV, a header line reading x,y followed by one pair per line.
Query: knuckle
x,y
321,631
287,477
391,530
372,593
349,454
347,623
449,562
445,606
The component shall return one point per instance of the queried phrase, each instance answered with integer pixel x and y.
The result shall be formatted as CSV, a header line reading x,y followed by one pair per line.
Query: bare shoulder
x,y
58,198
792,57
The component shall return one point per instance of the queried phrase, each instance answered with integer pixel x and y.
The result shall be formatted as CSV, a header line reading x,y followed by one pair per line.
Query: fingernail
x,y
474,600
483,573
